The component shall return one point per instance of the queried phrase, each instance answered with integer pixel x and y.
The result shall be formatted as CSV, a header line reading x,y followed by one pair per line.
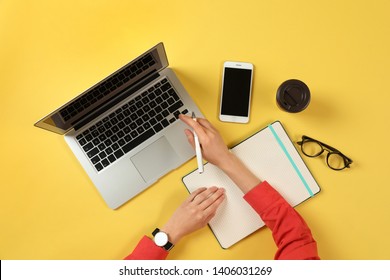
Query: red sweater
x,y
290,232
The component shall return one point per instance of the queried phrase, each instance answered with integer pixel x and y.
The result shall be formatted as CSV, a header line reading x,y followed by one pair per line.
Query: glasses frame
x,y
329,149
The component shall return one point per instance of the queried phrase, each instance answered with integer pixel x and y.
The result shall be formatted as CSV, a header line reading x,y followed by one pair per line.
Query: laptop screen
x,y
66,117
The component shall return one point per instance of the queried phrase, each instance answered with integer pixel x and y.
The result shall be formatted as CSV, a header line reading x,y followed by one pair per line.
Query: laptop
x,y
125,130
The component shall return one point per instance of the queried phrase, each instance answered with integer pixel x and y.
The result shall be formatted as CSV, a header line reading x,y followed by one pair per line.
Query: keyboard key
x,y
126,112
139,121
139,104
133,108
159,117
127,138
165,113
134,117
93,152
118,153
95,160
88,137
105,162
165,87
96,141
108,151
111,158
121,142
82,141
121,125
120,116
114,138
173,94
99,166
140,130
165,123
127,121
134,134
165,96
175,106
153,121
157,127
140,139
164,105
140,112
146,125
88,147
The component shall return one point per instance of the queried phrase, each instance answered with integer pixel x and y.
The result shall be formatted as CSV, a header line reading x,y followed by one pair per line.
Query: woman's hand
x,y
213,147
216,152
194,213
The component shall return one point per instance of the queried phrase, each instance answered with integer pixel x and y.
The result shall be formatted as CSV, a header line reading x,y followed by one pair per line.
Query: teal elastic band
x,y
290,159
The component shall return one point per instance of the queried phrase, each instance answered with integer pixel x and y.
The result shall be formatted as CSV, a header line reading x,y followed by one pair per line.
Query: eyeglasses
x,y
314,148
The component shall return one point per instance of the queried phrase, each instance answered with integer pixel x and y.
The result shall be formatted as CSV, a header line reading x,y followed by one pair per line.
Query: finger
x,y
197,127
195,193
212,209
190,137
210,200
205,123
202,196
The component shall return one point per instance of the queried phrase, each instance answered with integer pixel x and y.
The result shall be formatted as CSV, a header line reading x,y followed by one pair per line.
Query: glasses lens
x,y
336,161
311,148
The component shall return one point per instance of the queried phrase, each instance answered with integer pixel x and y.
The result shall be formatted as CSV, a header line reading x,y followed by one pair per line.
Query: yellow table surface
x,y
50,51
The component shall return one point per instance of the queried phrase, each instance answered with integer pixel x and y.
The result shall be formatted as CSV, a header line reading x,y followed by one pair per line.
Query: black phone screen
x,y
236,92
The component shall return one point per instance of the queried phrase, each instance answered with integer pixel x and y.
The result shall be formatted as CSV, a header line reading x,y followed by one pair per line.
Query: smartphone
x,y
236,91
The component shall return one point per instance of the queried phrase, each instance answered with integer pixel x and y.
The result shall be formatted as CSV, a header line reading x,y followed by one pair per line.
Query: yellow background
x,y
52,50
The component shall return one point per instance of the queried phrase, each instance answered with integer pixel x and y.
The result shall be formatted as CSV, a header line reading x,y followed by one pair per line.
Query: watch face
x,y
161,238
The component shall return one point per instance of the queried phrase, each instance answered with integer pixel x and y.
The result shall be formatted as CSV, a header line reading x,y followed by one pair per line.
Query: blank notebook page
x,y
271,156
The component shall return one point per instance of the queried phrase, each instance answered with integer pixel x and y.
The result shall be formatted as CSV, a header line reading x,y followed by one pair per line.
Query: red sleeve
x,y
290,232
147,250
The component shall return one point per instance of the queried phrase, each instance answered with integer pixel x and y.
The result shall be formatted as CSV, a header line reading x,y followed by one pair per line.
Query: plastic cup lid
x,y
293,96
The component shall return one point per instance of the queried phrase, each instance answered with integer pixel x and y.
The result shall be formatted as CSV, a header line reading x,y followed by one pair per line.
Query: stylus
x,y
197,149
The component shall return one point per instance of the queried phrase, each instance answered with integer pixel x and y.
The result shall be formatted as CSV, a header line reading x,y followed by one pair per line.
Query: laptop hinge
x,y
115,100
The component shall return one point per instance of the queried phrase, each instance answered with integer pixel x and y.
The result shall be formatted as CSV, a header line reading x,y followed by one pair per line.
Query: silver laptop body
x,y
125,129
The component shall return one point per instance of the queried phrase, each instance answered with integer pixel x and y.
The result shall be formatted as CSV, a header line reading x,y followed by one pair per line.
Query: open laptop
x,y
125,129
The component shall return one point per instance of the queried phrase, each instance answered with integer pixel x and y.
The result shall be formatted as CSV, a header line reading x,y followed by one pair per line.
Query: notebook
x,y
271,156
124,130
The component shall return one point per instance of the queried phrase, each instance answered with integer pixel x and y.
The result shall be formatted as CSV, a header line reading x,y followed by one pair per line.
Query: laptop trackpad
x,y
155,160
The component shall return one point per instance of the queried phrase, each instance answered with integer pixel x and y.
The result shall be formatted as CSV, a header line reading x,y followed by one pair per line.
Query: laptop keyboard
x,y
131,124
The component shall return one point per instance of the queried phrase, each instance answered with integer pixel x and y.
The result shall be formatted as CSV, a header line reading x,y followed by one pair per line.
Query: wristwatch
x,y
161,239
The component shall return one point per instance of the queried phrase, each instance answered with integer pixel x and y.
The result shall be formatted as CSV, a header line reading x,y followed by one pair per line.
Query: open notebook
x,y
270,155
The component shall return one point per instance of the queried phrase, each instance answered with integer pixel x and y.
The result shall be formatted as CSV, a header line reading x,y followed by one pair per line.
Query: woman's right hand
x,y
216,152
214,149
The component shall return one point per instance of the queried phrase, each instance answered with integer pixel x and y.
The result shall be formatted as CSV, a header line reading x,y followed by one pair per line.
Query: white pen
x,y
197,149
